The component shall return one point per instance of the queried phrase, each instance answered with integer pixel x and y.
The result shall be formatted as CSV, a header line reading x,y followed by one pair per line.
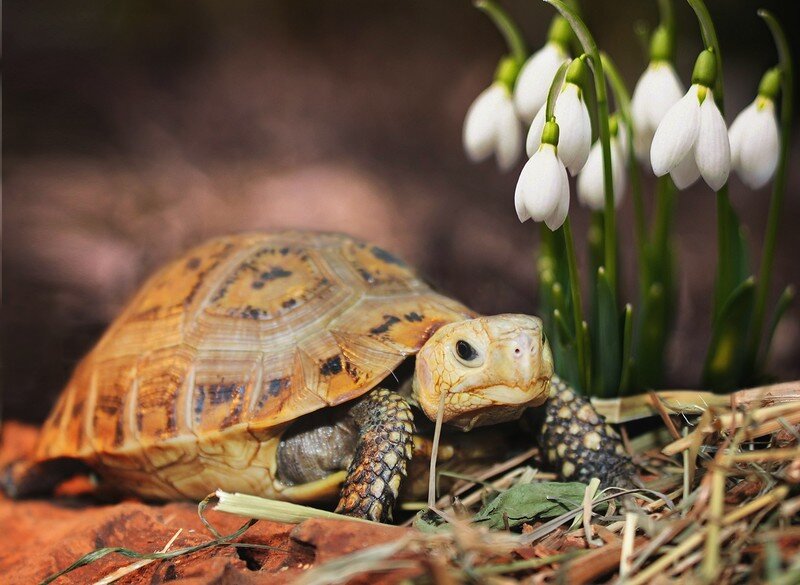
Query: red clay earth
x,y
40,537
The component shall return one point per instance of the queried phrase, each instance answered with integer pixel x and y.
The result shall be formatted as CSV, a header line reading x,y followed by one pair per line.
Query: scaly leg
x,y
386,428
578,443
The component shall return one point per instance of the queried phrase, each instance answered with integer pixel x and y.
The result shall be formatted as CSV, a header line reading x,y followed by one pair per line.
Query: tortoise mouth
x,y
533,395
499,404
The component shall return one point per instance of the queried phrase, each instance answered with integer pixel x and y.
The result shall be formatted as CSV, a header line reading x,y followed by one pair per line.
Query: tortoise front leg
x,y
577,442
385,424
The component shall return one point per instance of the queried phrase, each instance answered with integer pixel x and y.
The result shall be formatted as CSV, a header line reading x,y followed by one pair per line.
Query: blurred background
x,y
133,130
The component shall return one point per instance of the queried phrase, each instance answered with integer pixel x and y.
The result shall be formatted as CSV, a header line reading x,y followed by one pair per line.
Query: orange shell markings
x,y
242,334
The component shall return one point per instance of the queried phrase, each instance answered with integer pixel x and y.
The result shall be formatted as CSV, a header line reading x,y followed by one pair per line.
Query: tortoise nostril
x,y
517,351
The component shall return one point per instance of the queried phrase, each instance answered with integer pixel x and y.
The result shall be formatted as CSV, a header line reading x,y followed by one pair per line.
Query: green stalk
x,y
590,48
710,39
665,204
509,30
555,89
569,245
577,308
667,17
779,184
725,279
623,101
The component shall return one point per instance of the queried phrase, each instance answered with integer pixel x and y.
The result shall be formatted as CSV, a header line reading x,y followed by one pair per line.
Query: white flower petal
x,y
663,92
480,124
591,185
736,133
509,134
556,219
575,136
535,77
657,90
759,145
713,148
640,101
642,141
590,180
540,184
619,166
519,204
676,134
686,173
622,138
535,133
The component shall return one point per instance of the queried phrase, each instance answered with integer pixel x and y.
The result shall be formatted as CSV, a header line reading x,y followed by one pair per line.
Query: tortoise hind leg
x,y
24,479
577,442
386,428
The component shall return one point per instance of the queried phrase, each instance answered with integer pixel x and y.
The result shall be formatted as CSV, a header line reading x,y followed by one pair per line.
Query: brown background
x,y
133,130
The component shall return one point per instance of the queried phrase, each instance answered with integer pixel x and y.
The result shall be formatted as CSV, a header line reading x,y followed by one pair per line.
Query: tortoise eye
x,y
465,351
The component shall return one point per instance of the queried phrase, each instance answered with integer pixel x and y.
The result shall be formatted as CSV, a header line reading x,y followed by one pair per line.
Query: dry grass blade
x,y
437,434
369,560
588,496
769,420
276,511
628,537
123,571
693,402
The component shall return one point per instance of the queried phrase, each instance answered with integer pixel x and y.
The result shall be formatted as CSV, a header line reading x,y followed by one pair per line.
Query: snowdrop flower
x,y
536,75
491,125
542,192
657,90
591,185
755,141
692,139
572,115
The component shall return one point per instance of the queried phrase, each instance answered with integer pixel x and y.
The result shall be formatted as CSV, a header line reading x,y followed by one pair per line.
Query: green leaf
x,y
530,502
607,339
736,256
594,237
783,304
565,334
725,363
565,351
651,337
626,379
429,522
559,299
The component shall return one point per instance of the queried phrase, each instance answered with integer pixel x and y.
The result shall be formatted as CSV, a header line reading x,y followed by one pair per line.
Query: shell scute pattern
x,y
242,334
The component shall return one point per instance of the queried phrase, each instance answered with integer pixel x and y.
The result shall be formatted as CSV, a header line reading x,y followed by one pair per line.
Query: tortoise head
x,y
488,369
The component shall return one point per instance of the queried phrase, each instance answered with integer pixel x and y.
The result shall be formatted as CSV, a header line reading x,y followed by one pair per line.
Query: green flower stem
x,y
725,277
569,245
577,307
509,30
590,48
555,89
779,185
665,204
623,101
710,40
725,285
667,17
643,34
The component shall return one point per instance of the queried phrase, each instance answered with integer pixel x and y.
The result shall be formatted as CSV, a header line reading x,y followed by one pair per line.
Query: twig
x,y
628,537
135,566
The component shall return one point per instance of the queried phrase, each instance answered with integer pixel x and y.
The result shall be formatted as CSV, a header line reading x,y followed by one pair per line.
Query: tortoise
x,y
266,363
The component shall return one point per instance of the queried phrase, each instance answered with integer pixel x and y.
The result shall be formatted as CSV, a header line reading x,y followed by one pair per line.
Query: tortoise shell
x,y
224,347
